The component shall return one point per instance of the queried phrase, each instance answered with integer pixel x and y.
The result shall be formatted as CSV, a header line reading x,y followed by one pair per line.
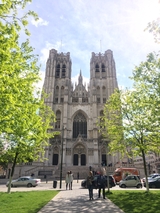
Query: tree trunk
x,y
145,169
12,172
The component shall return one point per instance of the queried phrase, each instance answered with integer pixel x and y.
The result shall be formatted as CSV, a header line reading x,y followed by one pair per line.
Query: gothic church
x,y
77,109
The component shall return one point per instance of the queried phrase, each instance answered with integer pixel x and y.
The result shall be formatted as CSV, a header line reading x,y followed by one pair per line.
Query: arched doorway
x,y
79,155
55,156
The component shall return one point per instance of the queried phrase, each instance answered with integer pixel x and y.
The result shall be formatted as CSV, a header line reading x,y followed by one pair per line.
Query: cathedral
x,y
79,147
78,108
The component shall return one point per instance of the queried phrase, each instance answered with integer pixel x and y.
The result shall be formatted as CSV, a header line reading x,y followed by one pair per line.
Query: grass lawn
x,y
24,202
132,201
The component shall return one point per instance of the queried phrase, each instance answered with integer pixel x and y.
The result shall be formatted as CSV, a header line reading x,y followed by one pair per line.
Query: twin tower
x,y
77,109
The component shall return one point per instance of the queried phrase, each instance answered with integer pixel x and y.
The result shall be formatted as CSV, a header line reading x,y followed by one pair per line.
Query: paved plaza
x,y
76,200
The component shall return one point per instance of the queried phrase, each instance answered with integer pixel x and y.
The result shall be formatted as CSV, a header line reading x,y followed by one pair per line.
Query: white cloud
x,y
39,22
42,76
120,27
45,52
48,46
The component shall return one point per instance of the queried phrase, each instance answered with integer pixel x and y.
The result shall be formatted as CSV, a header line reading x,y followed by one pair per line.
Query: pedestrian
x,y
32,175
77,176
89,182
101,184
68,180
71,174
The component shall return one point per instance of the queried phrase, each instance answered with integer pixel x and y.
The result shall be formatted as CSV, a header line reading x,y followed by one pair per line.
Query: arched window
x,y
103,68
57,90
79,126
58,71
104,90
97,68
98,90
58,120
62,90
63,71
101,113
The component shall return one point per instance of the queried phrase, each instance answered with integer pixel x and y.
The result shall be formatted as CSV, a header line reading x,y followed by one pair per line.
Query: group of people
x,y
69,180
100,184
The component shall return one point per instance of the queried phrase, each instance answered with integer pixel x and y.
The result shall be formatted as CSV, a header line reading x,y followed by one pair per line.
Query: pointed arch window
x,y
58,71
101,113
97,68
79,126
104,90
103,68
62,90
98,90
57,90
63,71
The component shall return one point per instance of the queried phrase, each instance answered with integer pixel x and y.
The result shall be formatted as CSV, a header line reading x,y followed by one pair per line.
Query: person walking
x,y
101,183
71,174
68,180
89,182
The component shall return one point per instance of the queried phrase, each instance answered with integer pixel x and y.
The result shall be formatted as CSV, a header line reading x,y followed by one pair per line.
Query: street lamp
x,y
61,157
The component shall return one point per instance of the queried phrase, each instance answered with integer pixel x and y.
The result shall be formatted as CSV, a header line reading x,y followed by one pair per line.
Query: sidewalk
x,y
77,200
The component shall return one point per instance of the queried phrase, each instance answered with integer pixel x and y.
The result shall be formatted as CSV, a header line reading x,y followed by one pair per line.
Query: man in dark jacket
x,y
101,183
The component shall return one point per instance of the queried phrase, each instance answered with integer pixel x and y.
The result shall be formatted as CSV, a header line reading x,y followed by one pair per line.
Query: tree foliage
x,y
154,28
24,118
132,117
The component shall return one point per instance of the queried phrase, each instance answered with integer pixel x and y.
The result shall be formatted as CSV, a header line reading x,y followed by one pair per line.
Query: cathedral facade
x,y
78,108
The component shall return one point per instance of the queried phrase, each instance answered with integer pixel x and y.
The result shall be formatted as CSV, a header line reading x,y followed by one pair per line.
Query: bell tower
x,y
102,76
57,81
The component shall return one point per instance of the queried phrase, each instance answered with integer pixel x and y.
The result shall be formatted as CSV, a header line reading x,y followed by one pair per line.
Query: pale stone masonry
x,y
77,110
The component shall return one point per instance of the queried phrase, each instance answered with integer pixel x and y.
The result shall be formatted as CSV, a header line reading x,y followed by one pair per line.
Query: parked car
x,y
150,177
131,181
121,173
112,182
24,181
153,182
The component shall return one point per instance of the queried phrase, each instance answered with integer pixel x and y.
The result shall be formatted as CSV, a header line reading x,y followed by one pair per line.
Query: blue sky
x,y
85,26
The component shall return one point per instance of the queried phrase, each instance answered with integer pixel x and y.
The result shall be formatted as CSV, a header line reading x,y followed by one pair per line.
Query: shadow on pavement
x,y
80,204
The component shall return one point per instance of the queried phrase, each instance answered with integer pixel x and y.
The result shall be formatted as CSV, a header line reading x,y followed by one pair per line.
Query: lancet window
x,y
79,126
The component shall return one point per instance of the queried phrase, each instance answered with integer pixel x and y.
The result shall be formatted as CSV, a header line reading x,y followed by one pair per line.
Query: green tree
x,y
132,118
25,121
154,28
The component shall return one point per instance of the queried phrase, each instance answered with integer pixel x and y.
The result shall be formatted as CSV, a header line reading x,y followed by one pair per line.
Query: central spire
x,y
80,79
